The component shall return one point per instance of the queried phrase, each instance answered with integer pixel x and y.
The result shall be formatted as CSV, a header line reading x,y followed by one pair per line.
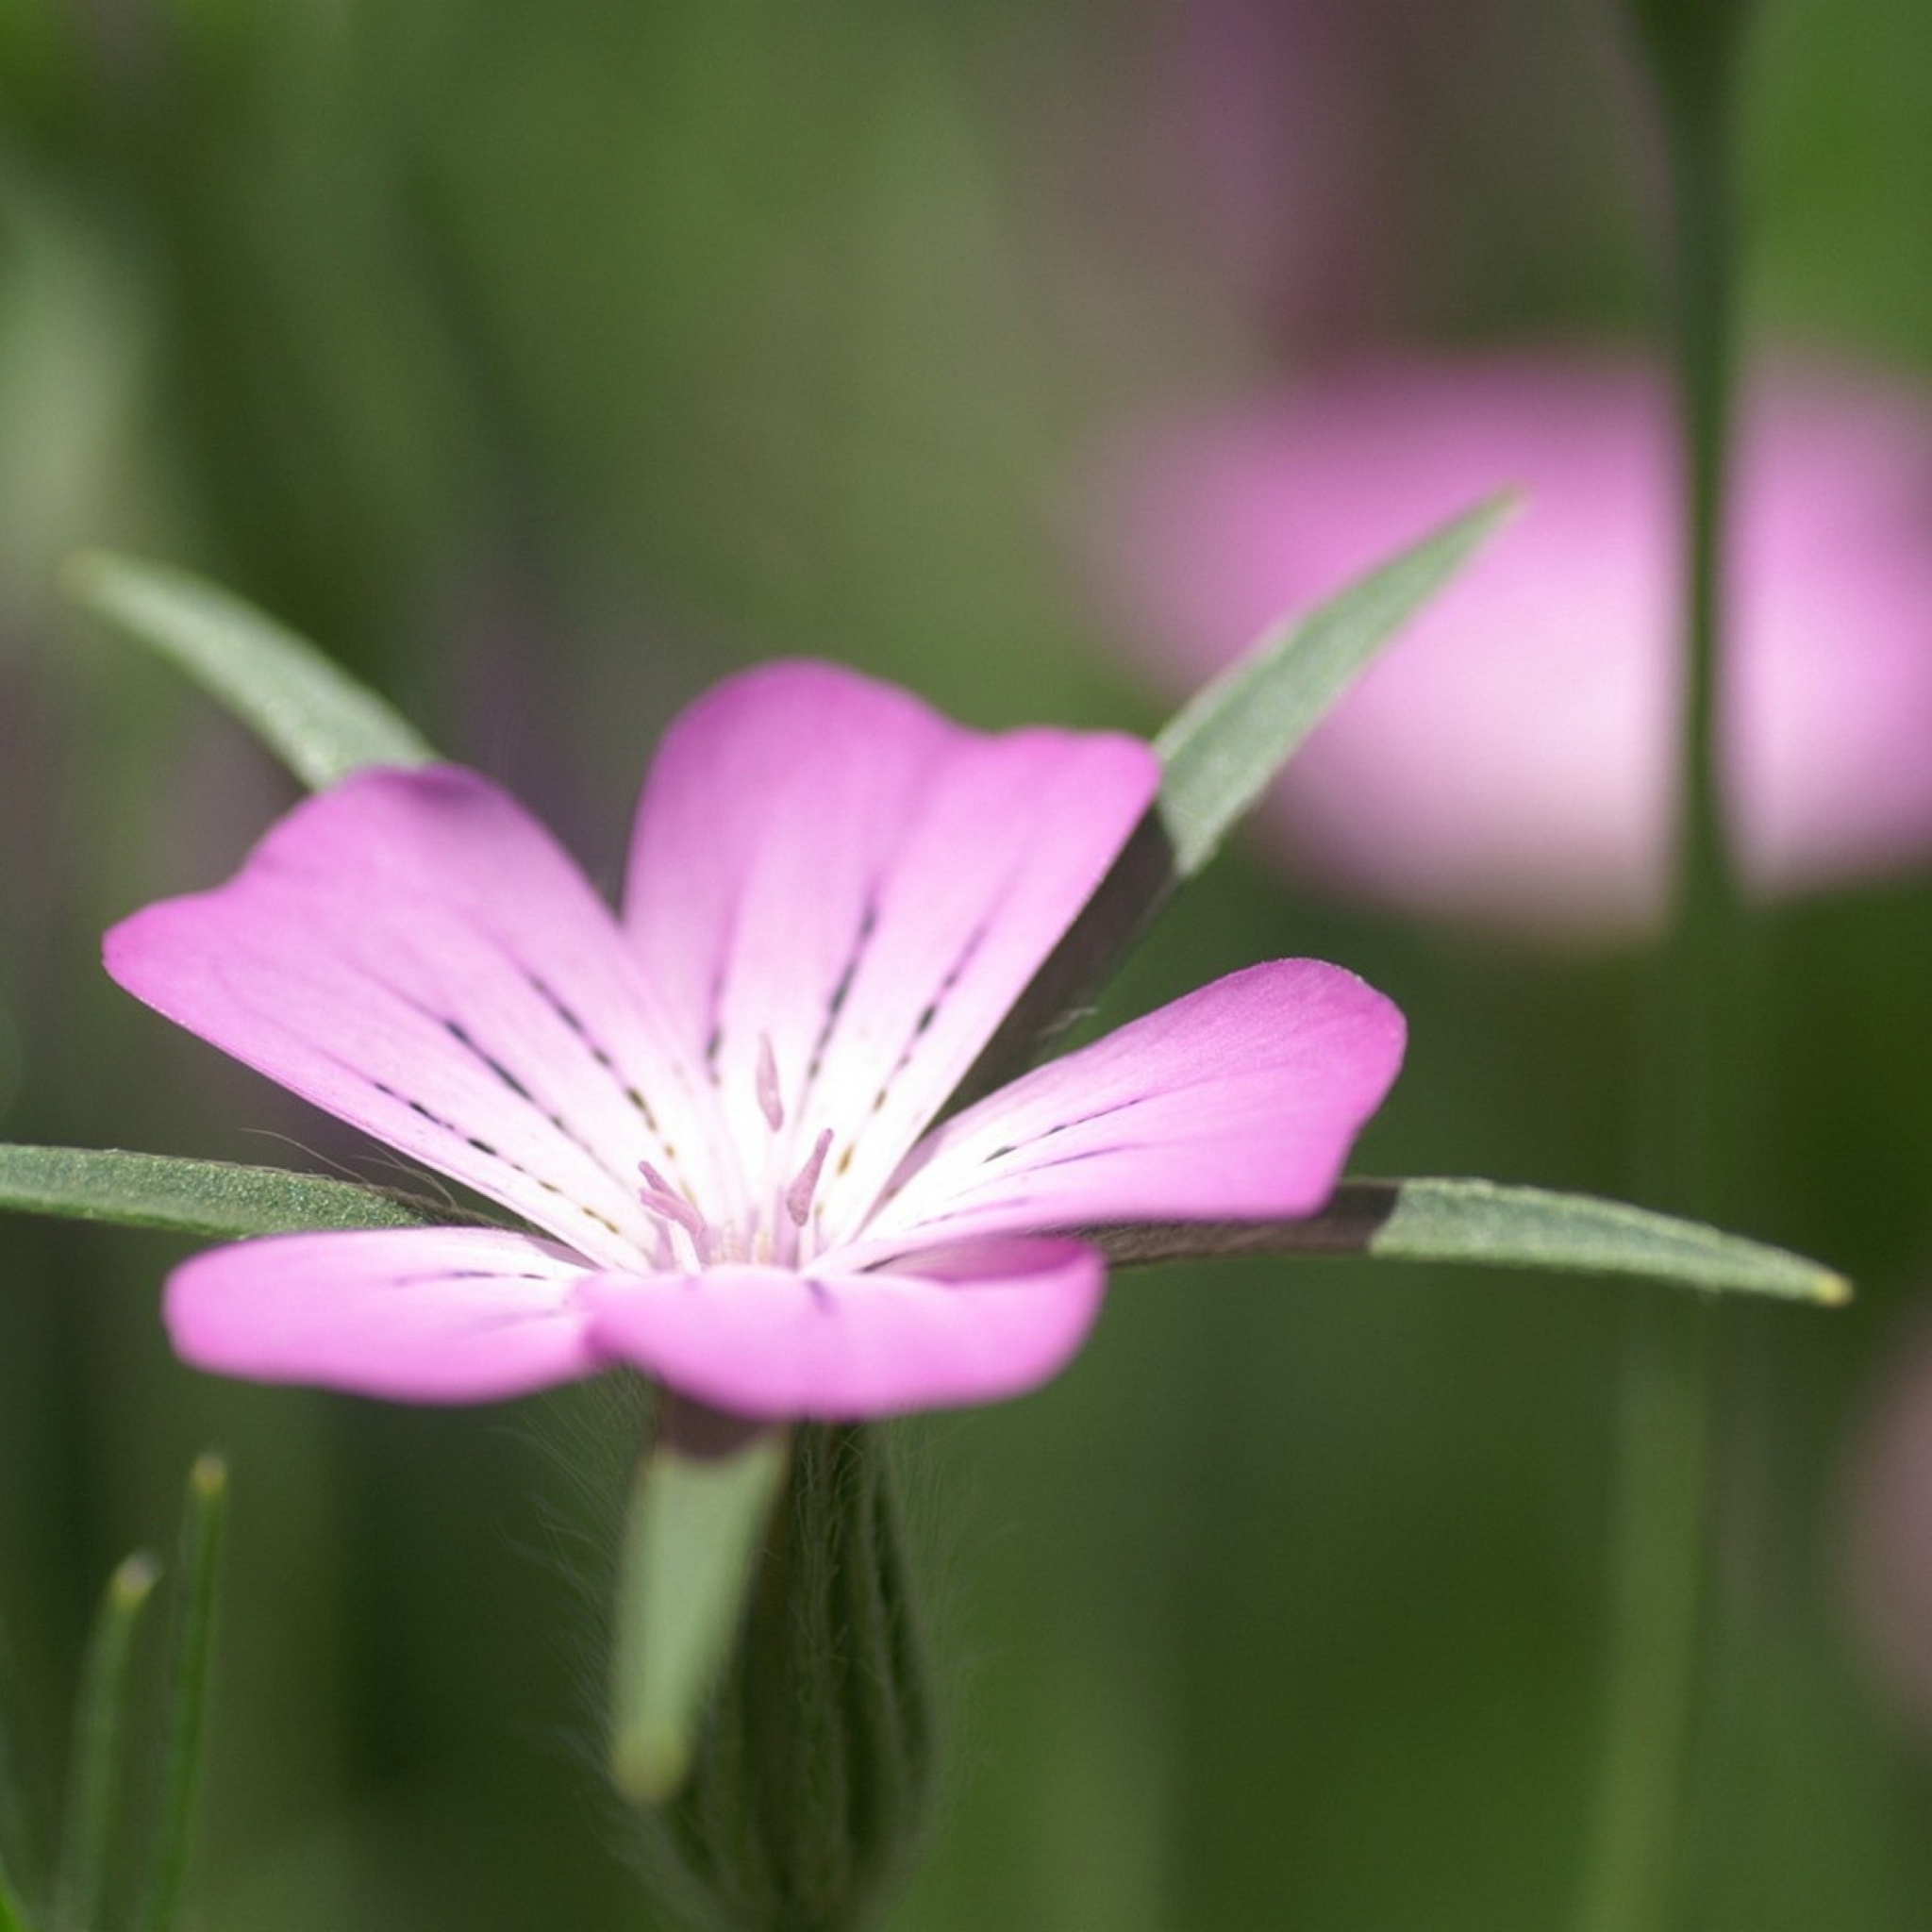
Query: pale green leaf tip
x,y
134,1581
208,1478
650,1762
1833,1291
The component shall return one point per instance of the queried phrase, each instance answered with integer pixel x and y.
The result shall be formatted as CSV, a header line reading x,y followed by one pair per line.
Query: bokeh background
x,y
545,362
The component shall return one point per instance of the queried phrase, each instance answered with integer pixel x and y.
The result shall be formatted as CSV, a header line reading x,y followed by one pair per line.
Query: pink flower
x,y
1510,758
717,1110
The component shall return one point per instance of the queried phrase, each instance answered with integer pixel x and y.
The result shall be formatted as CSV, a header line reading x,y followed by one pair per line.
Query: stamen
x,y
798,1195
772,1107
662,1199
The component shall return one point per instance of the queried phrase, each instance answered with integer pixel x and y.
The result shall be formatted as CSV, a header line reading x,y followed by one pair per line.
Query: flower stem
x,y
1661,1503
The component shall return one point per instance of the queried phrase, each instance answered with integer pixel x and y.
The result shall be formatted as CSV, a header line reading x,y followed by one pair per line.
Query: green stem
x,y
1661,1505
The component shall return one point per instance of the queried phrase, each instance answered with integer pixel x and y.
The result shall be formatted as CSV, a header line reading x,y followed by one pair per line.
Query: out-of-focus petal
x,y
985,1321
413,951
1238,1101
1510,756
418,1314
824,863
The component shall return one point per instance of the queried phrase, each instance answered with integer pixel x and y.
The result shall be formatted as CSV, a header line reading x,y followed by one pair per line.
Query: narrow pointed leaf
x,y
1232,739
1220,751
1491,1226
217,1198
696,1523
306,710
98,1771
185,1719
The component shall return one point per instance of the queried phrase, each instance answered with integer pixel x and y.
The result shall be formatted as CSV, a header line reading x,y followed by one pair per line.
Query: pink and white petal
x,y
976,1324
413,953
824,862
428,1314
1238,1101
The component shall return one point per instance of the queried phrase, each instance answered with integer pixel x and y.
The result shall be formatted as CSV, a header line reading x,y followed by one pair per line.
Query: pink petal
x,y
430,1314
822,861
1240,1101
1510,756
987,1321
411,952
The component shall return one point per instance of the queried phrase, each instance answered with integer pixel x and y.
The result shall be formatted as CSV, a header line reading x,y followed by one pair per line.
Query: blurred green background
x,y
544,362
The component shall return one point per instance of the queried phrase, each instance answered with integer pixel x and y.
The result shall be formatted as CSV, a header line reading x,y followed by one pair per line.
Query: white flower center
x,y
776,1228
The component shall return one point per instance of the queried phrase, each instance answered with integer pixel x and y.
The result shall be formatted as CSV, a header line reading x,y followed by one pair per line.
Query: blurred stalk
x,y
16,1821
88,1844
186,1718
1659,1550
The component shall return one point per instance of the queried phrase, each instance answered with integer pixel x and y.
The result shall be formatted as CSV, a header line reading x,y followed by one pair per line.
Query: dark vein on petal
x,y
1082,1120
593,1044
598,1157
468,1274
621,1077
457,1134
841,987
949,981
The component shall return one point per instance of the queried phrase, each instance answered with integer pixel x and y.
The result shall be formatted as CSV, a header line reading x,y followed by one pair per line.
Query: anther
x,y
798,1195
769,1102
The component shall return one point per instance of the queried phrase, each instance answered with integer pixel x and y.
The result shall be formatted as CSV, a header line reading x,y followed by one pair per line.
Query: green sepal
x,y
308,711
810,1779
1487,1224
698,1516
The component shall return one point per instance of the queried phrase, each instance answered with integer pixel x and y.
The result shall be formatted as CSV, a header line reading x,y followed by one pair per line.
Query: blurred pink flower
x,y
718,1111
1510,758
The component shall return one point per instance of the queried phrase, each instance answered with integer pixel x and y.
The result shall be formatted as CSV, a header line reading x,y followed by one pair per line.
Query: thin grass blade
x,y
184,1720
97,1773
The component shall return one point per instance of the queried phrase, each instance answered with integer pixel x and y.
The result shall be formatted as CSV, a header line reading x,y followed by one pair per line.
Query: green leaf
x,y
1228,743
306,709
1219,754
1496,1226
95,1774
185,1719
696,1523
216,1198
